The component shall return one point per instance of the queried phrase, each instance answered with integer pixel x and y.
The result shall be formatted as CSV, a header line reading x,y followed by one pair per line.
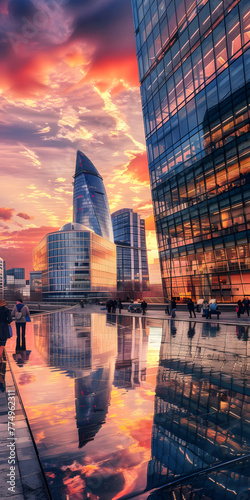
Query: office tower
x,y
130,240
2,273
194,67
90,202
75,263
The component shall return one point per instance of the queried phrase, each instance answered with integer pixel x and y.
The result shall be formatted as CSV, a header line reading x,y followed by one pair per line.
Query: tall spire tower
x,y
90,201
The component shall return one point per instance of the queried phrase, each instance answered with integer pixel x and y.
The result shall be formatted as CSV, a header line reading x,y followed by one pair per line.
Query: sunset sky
x,y
68,81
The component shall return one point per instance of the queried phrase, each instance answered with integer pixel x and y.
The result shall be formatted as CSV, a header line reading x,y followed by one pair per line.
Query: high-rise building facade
x,y
90,202
194,67
130,240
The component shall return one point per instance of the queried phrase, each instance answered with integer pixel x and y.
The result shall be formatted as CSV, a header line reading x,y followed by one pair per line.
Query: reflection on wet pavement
x,y
121,405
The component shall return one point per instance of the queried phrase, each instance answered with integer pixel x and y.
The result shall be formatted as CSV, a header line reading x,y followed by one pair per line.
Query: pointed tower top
x,y
84,165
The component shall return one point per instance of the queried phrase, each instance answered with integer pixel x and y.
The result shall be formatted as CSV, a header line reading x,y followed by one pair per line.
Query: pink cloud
x,y
25,216
6,213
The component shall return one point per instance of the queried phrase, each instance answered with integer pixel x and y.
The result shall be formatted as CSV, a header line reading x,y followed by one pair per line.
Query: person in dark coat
x,y
239,308
173,307
109,305
190,305
5,320
21,313
144,306
246,304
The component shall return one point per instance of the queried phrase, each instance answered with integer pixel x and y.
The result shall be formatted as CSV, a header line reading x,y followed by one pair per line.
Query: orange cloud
x,y
115,68
138,168
6,213
25,216
150,223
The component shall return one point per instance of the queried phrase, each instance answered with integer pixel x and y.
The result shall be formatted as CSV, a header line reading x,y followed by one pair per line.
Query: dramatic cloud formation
x,y
68,81
6,213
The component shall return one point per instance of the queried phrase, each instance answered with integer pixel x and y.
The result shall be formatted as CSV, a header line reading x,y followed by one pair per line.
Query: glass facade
x,y
194,66
75,263
17,272
90,202
132,263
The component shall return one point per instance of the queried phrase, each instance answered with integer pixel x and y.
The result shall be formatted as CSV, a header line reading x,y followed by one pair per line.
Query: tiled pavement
x,y
29,481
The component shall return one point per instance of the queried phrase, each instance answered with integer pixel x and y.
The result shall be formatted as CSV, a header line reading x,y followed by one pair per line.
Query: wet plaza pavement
x,y
121,406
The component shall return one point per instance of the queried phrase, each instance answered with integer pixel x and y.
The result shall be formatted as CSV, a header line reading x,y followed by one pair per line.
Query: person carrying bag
x,y
5,320
22,315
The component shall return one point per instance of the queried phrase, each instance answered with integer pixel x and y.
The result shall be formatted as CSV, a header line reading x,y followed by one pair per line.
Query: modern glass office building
x,y
75,263
130,240
194,67
90,202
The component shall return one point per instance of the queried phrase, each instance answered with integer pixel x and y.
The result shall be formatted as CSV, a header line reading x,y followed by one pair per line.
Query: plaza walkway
x,y
17,450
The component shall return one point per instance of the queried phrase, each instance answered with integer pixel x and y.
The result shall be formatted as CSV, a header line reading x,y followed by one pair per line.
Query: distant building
x,y
75,263
18,273
90,201
2,273
15,283
130,240
35,285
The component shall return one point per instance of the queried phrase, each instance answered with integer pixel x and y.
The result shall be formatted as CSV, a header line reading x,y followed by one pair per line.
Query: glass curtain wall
x,y
90,202
194,66
132,263
76,264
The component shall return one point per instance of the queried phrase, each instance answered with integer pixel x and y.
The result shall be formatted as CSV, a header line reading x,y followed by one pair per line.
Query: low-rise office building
x,y
75,263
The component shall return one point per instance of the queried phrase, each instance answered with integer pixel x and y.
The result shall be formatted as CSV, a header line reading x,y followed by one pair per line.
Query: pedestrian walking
x,y
246,304
239,308
114,306
5,320
22,315
144,306
120,306
109,304
173,307
190,306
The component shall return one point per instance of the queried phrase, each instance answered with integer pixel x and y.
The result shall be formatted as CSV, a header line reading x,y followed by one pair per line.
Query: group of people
x,y
112,305
21,315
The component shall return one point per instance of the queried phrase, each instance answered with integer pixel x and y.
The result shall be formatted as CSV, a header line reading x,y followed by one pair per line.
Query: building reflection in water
x,y
95,360
202,412
76,343
131,361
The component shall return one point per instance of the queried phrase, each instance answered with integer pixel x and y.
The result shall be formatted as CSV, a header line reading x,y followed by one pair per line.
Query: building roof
x,y
84,165
74,226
